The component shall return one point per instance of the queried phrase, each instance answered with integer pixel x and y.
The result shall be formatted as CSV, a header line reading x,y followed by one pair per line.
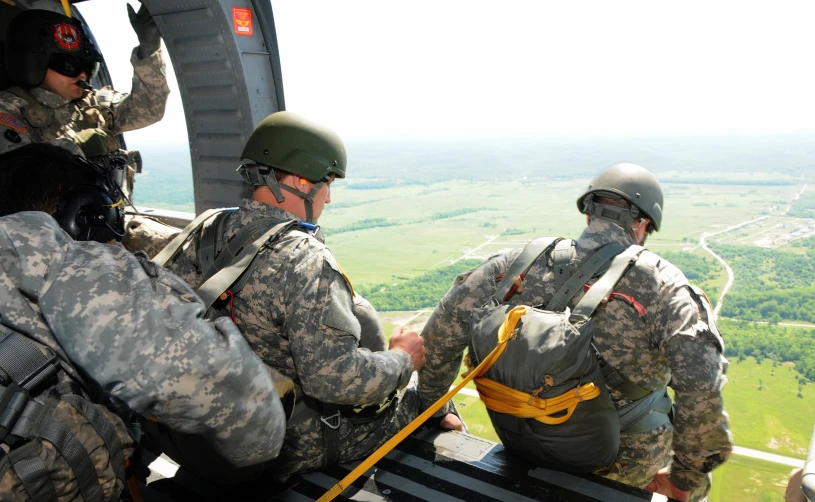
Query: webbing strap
x,y
32,472
172,248
104,428
211,232
521,265
502,399
619,382
77,458
605,284
330,421
503,336
586,271
24,363
226,256
562,261
224,278
645,414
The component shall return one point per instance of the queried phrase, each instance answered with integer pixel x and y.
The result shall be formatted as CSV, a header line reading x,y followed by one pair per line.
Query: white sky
x,y
532,68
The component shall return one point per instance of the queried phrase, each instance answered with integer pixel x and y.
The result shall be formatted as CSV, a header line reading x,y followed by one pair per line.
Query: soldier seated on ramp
x,y
294,304
653,330
89,330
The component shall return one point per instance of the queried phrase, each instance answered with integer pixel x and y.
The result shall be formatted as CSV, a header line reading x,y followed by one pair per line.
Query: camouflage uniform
x,y
296,313
138,335
114,112
671,344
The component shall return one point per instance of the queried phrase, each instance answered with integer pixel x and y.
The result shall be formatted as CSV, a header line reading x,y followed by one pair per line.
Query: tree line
x,y
417,293
778,343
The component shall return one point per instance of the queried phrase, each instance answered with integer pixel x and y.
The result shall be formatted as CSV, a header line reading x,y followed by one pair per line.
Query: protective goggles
x,y
72,65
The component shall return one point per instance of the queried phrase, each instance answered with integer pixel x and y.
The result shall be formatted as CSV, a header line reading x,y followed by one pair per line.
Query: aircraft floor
x,y
429,465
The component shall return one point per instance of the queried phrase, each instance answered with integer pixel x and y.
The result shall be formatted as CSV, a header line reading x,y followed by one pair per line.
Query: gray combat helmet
x,y
290,143
631,182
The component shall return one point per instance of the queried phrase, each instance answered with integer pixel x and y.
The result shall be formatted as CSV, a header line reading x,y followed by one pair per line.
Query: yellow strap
x,y
120,203
503,335
66,7
503,399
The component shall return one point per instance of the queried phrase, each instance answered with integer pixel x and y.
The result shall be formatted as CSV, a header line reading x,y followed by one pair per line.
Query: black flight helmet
x,y
37,40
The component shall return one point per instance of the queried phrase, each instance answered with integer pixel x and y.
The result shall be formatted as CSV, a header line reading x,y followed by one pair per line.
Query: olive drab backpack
x,y
55,443
546,392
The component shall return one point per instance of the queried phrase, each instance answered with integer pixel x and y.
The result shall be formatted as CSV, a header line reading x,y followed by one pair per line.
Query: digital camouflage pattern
x,y
138,333
146,234
296,313
114,112
671,343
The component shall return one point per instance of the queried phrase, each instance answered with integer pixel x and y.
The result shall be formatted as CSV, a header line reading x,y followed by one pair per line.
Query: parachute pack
x,y
55,442
546,391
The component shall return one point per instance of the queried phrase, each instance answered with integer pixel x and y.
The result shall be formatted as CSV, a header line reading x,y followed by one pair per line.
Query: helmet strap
x,y
622,216
259,175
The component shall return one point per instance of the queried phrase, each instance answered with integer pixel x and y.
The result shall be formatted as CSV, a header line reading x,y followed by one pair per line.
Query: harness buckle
x,y
332,422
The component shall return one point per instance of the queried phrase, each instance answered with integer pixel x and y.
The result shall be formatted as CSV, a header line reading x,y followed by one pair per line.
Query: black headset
x,y
92,212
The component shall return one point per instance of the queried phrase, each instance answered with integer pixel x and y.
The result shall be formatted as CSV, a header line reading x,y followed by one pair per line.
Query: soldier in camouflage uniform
x,y
673,343
296,308
129,332
47,54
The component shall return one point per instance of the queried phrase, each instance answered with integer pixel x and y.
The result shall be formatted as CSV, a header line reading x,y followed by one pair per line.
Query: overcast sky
x,y
493,69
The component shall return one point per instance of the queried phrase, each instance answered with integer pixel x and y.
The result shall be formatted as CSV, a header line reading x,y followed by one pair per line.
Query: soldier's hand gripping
x,y
662,485
145,27
411,343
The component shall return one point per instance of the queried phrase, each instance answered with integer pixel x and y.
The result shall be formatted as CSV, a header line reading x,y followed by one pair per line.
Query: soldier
x,y
296,307
675,341
128,332
50,58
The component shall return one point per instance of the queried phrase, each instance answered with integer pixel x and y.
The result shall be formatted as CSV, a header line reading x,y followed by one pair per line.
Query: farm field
x,y
430,225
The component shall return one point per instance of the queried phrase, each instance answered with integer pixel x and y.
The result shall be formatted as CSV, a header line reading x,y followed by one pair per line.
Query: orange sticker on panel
x,y
242,21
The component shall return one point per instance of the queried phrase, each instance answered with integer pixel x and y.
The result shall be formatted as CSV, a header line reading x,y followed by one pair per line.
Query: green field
x,y
420,239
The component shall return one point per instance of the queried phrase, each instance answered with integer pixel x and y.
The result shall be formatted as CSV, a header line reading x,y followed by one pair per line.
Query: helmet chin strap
x,y
259,175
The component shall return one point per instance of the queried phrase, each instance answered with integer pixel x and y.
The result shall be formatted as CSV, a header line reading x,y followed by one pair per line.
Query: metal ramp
x,y
430,466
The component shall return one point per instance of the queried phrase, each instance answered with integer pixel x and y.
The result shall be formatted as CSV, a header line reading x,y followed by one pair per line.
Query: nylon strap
x,y
221,281
172,248
391,443
521,265
104,428
24,363
77,457
619,382
226,256
32,472
563,262
211,232
605,284
645,414
586,271
330,421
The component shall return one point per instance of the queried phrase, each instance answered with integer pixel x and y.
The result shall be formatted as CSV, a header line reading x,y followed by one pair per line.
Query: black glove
x,y
146,29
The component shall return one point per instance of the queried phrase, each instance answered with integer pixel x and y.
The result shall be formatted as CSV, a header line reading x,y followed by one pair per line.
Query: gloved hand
x,y
145,27
93,142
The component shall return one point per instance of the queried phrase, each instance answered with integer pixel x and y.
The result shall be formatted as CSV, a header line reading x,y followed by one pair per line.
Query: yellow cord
x,y
66,7
503,335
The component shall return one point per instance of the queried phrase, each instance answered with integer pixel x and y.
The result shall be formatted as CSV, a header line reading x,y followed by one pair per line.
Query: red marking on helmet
x,y
66,37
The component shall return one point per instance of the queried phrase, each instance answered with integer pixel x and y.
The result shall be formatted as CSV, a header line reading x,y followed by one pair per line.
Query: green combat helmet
x,y
287,142
630,182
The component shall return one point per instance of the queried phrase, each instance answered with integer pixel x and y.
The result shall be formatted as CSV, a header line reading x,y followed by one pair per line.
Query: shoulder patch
x,y
706,311
332,262
13,123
